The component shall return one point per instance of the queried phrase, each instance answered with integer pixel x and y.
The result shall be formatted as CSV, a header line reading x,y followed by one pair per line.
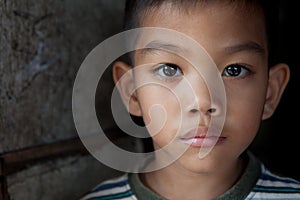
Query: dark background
x,y
278,143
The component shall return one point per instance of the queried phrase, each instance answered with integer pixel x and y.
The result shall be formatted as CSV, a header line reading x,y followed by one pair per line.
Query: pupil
x,y
234,70
169,71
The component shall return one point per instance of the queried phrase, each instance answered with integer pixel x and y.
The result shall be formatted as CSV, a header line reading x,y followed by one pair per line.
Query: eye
x,y
168,70
236,70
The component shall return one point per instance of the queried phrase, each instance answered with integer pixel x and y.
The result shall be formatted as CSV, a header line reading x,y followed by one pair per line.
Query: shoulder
x,y
115,188
272,186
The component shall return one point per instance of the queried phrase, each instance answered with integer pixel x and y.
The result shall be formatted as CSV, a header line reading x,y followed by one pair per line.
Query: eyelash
x,y
240,70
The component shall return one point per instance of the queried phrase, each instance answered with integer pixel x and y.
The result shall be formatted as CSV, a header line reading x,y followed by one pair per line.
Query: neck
x,y
174,182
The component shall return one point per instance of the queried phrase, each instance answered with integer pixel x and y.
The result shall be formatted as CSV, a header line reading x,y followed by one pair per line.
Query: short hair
x,y
135,10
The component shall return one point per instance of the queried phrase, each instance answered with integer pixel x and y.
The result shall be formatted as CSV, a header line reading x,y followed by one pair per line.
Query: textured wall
x,y
42,44
60,179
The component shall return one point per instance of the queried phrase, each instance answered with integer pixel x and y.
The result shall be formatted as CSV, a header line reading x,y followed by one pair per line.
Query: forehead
x,y
214,25
150,7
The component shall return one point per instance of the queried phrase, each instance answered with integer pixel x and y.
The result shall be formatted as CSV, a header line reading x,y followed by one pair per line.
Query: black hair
x,y
135,10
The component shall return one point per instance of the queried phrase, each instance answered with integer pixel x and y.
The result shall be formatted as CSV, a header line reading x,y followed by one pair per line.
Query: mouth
x,y
202,137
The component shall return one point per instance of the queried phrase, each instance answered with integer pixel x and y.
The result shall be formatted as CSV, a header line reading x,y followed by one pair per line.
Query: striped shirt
x,y
257,182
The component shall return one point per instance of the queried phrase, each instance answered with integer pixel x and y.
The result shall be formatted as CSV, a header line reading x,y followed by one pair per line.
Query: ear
x,y
124,80
279,76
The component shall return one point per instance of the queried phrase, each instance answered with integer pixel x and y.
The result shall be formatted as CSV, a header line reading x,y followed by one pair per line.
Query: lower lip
x,y
203,142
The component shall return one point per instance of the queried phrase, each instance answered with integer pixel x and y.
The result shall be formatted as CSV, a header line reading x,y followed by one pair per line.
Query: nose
x,y
209,111
203,107
202,99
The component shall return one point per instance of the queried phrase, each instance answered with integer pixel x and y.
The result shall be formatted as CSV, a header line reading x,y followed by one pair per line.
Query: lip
x,y
199,137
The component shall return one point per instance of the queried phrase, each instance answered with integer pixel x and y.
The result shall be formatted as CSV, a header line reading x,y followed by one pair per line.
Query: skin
x,y
252,95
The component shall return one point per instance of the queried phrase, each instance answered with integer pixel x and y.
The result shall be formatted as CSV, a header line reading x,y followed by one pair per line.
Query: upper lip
x,y
201,132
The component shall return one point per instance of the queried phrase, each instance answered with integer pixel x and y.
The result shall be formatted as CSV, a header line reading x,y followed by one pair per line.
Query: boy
x,y
236,36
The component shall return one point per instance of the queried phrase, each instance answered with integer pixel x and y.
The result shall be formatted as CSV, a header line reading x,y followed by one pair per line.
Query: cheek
x,y
161,113
244,112
246,117
246,106
245,101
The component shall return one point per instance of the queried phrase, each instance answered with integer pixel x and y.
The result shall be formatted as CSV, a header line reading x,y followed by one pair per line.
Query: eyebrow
x,y
158,45
247,46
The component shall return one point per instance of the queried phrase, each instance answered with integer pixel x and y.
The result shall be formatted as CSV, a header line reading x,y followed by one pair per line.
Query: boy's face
x,y
236,42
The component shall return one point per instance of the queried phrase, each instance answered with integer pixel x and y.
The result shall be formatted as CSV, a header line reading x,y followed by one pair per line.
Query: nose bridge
x,y
202,96
194,95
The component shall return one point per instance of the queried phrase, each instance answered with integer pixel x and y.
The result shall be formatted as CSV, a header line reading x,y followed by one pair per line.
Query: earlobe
x,y
279,76
124,81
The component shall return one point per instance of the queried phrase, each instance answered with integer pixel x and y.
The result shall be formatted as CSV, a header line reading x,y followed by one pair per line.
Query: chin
x,y
194,164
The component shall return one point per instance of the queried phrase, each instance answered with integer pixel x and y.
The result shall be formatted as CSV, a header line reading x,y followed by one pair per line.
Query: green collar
x,y
239,191
247,181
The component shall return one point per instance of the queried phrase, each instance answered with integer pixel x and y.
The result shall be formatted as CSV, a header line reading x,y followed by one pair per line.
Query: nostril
x,y
194,111
211,110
